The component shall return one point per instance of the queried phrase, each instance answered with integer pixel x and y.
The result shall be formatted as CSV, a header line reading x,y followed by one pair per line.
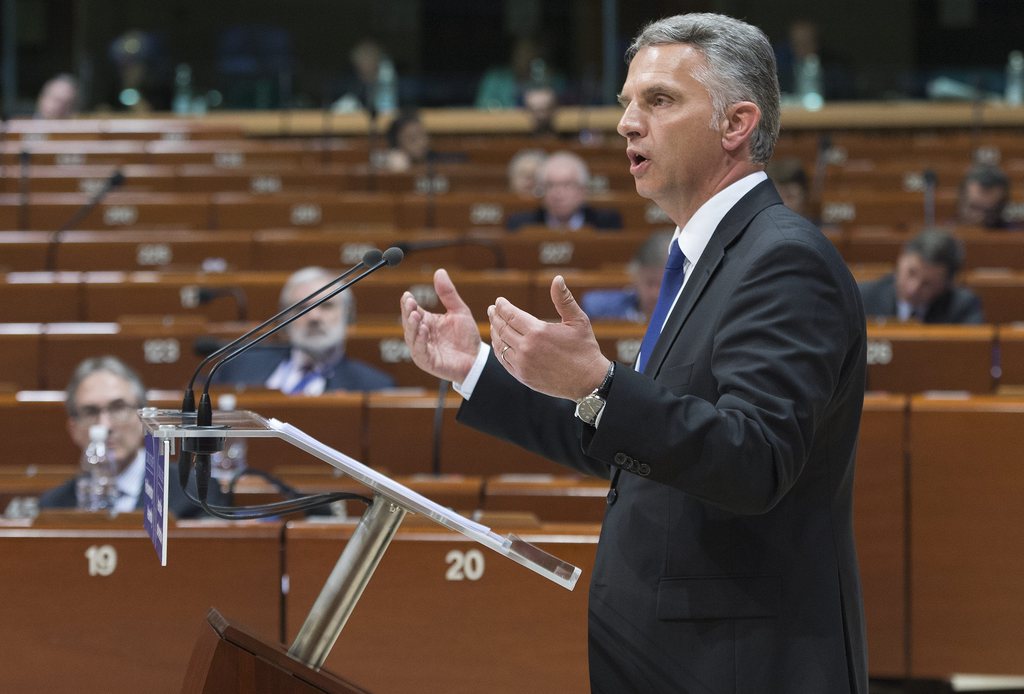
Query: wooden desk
x,y
154,250
302,210
966,536
905,358
51,211
400,438
23,251
444,614
1001,293
881,527
40,297
20,363
1011,356
89,609
553,499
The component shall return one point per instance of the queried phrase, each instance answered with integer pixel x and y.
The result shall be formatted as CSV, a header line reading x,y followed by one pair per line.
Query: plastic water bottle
x,y
1014,93
232,460
387,87
96,489
809,83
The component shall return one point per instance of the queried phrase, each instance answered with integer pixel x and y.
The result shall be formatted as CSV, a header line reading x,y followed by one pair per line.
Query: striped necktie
x,y
671,283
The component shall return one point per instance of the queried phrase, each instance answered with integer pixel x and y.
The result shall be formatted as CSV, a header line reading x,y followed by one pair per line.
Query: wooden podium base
x,y
227,659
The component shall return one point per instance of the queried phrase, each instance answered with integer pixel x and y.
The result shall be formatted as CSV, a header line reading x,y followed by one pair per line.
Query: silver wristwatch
x,y
590,406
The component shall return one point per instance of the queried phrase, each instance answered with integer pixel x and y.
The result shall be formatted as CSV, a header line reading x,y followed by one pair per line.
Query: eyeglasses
x,y
118,411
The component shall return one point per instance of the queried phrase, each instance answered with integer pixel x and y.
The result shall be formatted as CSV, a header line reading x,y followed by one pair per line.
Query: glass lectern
x,y
391,501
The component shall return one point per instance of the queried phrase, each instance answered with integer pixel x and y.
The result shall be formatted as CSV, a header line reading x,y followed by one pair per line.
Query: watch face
x,y
590,407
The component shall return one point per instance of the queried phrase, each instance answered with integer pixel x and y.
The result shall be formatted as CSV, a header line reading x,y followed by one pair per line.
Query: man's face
x,y
919,282
541,105
320,331
564,192
980,206
414,141
671,147
105,398
57,100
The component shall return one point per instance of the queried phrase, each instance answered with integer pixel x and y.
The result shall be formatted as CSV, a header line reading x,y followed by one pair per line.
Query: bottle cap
x,y
98,432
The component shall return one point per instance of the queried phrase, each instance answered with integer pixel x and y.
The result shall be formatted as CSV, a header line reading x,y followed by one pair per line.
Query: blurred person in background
x,y
105,390
635,302
314,360
522,171
564,181
982,197
923,288
58,98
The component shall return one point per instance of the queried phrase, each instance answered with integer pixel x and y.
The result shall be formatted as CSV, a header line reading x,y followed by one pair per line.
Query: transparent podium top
x,y
171,424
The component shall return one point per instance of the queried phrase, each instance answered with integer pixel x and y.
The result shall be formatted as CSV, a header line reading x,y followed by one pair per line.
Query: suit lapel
x,y
729,229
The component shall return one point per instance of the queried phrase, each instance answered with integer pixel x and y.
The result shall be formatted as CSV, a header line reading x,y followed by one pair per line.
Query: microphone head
x,y
372,257
116,178
393,256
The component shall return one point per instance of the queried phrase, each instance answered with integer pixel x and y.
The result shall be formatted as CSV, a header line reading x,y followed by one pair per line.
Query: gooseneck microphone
x,y
115,180
196,451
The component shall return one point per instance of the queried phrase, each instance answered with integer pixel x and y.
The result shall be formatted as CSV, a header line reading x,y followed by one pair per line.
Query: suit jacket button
x,y
644,469
613,494
620,458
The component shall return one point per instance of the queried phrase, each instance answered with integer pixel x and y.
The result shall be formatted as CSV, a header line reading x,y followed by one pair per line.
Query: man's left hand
x,y
559,359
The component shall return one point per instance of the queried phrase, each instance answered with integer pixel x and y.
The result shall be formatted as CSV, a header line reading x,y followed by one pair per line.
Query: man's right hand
x,y
444,345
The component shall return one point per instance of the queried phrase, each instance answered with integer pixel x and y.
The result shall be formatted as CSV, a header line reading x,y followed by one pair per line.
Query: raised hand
x,y
442,344
560,359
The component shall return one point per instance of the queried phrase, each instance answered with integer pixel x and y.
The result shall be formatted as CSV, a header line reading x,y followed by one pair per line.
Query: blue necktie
x,y
671,282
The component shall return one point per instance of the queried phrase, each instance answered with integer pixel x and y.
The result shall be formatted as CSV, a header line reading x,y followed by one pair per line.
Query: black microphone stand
x,y
115,180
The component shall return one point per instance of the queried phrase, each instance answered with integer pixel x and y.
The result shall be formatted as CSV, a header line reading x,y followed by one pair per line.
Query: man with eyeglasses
x,y
104,390
563,179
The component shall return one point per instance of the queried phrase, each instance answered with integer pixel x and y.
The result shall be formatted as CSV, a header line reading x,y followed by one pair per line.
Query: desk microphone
x,y
205,295
433,244
198,450
188,404
115,180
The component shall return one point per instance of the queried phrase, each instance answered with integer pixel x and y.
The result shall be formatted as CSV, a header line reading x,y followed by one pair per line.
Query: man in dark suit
x,y
923,288
726,561
314,361
563,179
104,390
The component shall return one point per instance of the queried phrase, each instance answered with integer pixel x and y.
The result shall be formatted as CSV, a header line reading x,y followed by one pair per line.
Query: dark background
x,y
886,49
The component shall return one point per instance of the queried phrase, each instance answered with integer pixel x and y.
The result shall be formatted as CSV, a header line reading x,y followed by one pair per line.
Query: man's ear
x,y
741,118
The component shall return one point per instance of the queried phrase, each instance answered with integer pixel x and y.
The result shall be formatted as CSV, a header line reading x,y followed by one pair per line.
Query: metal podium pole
x,y
349,577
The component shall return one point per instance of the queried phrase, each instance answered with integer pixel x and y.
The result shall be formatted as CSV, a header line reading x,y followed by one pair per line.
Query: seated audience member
x,y
541,103
790,180
522,171
923,287
408,144
982,197
635,302
363,89
314,361
58,98
104,390
563,180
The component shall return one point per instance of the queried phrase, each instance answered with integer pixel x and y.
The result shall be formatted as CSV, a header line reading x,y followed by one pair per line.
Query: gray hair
x,y
740,67
321,276
938,247
109,364
583,173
